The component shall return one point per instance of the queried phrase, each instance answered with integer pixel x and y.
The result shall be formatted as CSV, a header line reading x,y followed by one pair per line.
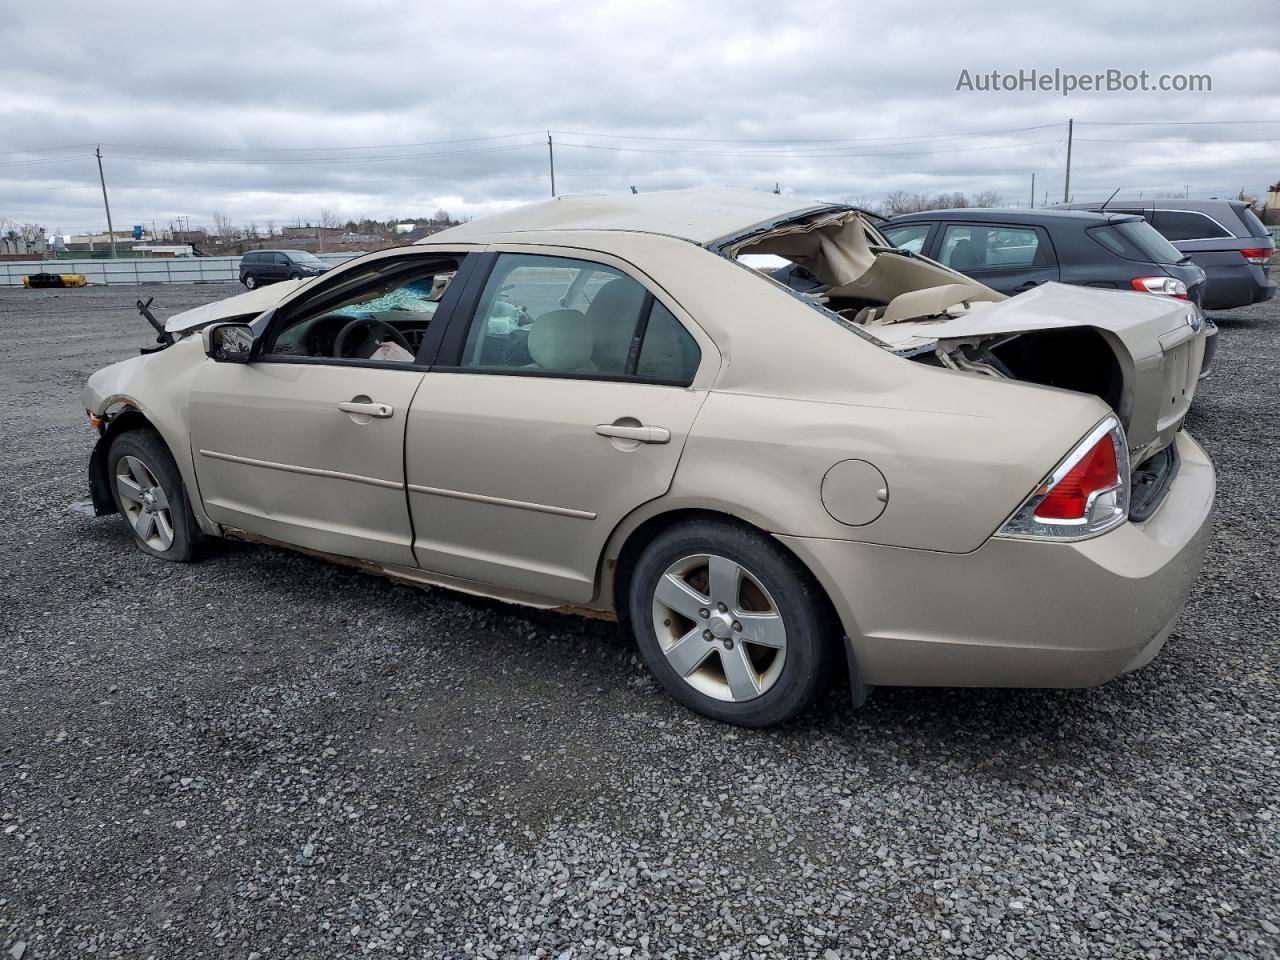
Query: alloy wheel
x,y
719,628
144,502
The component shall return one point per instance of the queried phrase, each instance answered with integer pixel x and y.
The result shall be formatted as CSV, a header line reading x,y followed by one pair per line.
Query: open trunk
x,y
1140,353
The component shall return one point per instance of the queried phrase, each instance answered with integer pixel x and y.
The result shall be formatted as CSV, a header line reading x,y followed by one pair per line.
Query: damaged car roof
x,y
701,215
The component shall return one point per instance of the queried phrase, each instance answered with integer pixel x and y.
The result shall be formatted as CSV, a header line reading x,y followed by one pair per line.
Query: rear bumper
x,y
1236,285
1021,613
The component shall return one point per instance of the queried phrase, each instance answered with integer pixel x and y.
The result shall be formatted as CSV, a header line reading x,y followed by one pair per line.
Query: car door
x,y
561,401
1008,257
305,443
279,266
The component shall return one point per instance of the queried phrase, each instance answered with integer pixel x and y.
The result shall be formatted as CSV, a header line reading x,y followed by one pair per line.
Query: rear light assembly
x,y
1164,286
1085,495
1257,255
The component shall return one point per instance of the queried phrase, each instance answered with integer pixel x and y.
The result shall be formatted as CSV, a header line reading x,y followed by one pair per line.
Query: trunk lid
x,y
1157,343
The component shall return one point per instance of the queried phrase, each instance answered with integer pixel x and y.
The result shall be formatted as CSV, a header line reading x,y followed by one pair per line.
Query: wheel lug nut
x,y
737,626
704,613
708,635
728,643
722,608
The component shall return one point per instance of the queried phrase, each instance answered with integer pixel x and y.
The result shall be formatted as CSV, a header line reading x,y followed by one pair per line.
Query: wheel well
x,y
648,531
645,534
99,483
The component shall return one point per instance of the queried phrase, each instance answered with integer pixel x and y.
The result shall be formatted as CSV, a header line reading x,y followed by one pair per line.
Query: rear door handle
x,y
643,434
368,409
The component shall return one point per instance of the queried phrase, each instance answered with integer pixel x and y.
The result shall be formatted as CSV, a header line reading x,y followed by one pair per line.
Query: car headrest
x,y
965,255
561,340
613,313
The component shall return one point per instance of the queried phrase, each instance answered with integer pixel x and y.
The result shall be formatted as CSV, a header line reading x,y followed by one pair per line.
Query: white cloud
x,y
189,101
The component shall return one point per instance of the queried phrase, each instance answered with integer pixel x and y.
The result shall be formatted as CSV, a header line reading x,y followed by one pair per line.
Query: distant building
x,y
311,233
1271,210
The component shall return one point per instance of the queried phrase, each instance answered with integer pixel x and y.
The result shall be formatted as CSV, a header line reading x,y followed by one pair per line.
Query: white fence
x,y
141,269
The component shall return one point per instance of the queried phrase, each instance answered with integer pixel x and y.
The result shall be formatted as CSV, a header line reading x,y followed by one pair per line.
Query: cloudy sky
x,y
276,111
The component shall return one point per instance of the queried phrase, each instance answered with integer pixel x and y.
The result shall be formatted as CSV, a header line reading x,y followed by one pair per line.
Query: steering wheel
x,y
370,321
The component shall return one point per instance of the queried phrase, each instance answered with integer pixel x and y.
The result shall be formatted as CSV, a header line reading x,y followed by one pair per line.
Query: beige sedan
x,y
874,467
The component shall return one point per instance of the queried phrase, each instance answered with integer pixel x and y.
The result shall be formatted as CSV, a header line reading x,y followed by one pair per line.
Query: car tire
x,y
295,276
151,497
709,591
250,281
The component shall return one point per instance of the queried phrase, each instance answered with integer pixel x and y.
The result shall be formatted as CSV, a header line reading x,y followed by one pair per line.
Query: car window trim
x,y
449,355
437,326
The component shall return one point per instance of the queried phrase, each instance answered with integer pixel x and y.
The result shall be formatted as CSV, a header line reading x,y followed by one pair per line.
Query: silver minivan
x,y
1223,237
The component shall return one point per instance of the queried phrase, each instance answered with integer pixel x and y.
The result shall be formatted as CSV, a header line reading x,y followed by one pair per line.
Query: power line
x,y
1167,123
800,154
374,146
834,140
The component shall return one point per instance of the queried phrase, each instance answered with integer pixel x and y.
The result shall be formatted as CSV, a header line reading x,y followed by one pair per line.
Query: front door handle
x,y
642,433
366,408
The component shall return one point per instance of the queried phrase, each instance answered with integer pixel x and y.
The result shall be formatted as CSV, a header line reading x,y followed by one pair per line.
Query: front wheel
x,y
730,623
295,276
251,281
151,496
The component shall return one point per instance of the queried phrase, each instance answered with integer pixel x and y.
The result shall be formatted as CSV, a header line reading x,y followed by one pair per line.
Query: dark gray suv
x,y
1224,237
1012,250
269,266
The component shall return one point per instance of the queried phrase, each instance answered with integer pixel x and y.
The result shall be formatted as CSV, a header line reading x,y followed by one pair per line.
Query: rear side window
x,y
908,236
1136,240
1187,225
991,247
1251,222
668,351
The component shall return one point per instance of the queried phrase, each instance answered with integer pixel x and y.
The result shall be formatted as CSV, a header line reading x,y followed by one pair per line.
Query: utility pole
x,y
103,180
1066,185
551,158
1033,189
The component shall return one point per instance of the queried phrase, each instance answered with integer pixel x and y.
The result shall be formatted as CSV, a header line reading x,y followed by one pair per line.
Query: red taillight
x,y
1258,255
1162,286
1087,493
1069,498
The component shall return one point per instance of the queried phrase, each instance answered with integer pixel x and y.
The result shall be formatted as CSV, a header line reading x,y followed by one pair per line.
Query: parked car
x,y
271,266
1223,237
1013,250
908,477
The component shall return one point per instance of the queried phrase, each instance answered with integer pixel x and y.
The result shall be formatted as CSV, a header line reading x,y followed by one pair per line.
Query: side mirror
x,y
229,342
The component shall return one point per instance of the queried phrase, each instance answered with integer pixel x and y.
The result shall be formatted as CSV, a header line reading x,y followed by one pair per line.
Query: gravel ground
x,y
266,756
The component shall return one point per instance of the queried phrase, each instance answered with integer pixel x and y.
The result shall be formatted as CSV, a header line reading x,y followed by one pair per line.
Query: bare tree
x,y
988,198
441,216
271,229
327,220
223,227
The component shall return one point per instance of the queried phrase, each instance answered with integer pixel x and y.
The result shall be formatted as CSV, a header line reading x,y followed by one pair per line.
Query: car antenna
x,y
1108,200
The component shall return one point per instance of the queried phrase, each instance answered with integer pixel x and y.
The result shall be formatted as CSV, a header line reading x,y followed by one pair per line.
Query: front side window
x,y
1187,225
384,320
559,315
909,236
966,248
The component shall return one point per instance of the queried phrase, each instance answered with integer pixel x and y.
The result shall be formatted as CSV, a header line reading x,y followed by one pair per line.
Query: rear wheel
x,y
151,496
730,623
295,276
